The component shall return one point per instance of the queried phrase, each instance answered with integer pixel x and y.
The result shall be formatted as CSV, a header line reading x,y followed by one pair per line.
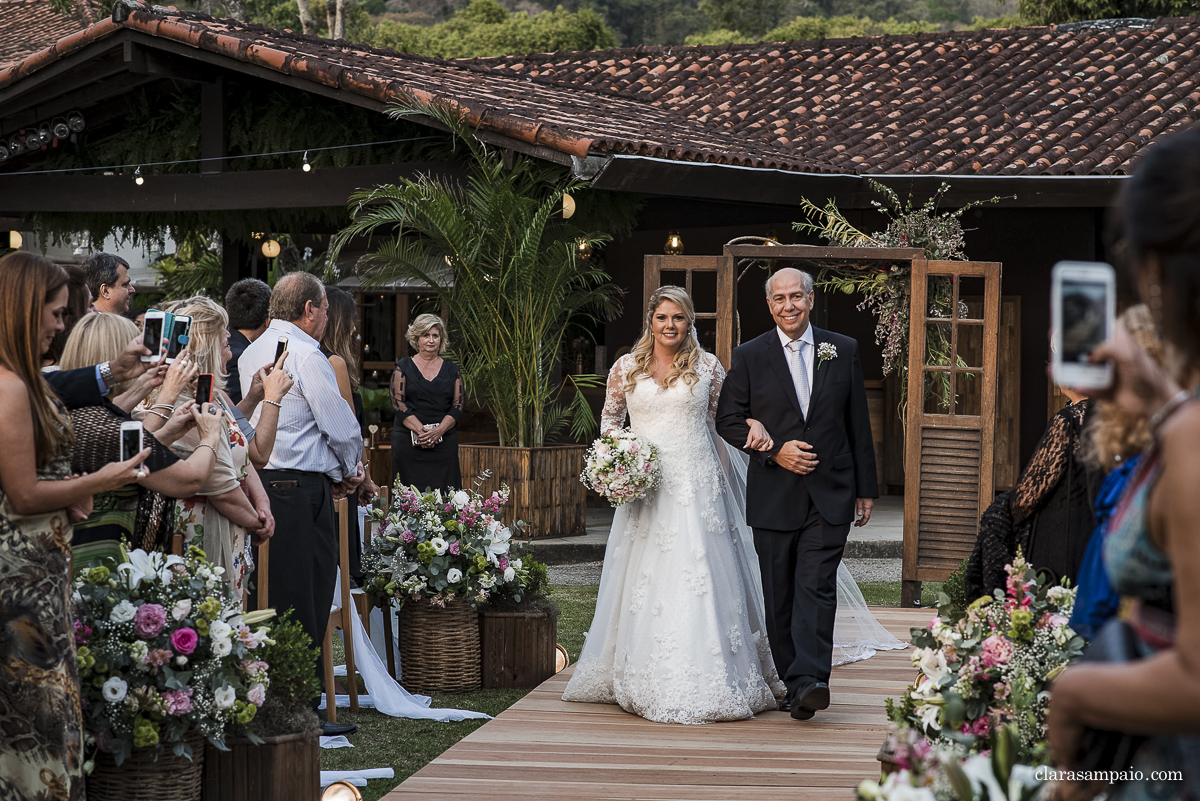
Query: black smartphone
x,y
280,347
204,388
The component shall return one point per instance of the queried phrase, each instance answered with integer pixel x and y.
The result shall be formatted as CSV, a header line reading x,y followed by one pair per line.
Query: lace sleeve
x,y
613,415
398,400
714,388
456,403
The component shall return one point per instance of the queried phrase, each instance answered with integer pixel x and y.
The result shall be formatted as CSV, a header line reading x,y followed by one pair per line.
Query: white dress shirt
x,y
317,430
807,351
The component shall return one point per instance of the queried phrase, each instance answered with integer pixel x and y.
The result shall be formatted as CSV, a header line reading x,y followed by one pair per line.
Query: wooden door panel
x,y
692,273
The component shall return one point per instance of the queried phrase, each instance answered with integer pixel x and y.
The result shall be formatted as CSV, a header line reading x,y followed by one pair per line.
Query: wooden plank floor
x,y
545,748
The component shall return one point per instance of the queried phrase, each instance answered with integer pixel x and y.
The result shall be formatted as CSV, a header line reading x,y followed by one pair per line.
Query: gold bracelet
x,y
210,447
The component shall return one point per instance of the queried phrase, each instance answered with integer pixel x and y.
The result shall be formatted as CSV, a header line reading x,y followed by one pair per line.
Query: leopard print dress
x,y
41,724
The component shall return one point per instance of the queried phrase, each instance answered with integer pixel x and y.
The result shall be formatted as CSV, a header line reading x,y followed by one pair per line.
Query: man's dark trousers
x,y
799,569
304,550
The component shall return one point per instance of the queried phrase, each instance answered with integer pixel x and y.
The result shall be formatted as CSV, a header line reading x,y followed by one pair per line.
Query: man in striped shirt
x,y
317,457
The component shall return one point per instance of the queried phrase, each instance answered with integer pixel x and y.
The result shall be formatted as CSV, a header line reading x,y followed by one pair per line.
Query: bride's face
x,y
669,325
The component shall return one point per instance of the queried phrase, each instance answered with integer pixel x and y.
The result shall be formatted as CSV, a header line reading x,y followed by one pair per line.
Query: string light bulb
x,y
306,166
583,249
270,248
15,240
137,177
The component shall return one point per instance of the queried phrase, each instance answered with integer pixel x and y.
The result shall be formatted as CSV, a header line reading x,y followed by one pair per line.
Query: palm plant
x,y
514,283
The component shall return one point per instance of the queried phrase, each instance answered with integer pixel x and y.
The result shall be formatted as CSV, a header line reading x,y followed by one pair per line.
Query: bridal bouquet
x,y
441,547
164,650
994,666
622,467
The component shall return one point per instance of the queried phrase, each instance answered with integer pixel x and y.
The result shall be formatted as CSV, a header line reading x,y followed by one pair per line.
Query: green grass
x,y
408,745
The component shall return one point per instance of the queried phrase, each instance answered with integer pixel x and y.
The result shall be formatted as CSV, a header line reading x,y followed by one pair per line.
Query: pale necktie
x,y
799,373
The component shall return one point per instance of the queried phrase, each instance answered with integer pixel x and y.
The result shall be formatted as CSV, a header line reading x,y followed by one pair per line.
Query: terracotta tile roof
x,y
27,26
1035,101
1026,101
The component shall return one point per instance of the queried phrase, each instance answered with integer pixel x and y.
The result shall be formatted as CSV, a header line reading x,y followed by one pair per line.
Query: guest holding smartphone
x,y
428,396
41,722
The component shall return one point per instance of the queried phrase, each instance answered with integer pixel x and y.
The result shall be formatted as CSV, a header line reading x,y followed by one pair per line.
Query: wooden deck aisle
x,y
545,748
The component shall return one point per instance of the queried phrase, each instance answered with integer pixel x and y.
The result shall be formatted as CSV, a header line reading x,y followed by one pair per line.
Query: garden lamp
x,y
568,206
583,249
674,246
14,240
270,248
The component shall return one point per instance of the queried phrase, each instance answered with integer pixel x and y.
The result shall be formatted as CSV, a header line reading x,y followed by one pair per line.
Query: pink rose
x,y
149,620
633,448
256,694
996,651
184,641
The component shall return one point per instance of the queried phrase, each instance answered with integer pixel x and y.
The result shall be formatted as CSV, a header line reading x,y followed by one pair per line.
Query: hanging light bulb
x,y
137,177
583,249
568,206
306,166
674,245
45,133
270,248
15,146
75,122
3,153
15,240
61,129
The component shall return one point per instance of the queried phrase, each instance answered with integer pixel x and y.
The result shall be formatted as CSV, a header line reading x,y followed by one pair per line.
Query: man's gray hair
x,y
804,277
292,293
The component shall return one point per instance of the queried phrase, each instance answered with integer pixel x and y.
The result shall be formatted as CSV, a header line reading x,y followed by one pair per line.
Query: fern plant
x,y
495,248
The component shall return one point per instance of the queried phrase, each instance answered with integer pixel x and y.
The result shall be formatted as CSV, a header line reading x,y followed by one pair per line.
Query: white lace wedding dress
x,y
679,634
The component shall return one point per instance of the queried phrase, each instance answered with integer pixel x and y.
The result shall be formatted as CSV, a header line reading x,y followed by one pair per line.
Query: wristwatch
x,y
106,377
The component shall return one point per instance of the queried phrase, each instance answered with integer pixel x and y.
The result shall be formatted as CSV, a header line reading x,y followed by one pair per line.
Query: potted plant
x,y
518,629
514,276
167,660
442,556
277,756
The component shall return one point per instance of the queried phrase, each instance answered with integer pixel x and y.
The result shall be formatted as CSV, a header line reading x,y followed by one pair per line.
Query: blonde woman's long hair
x,y
209,322
688,356
1113,434
98,338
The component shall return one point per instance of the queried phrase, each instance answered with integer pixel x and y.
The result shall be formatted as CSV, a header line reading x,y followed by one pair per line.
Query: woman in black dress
x,y
427,394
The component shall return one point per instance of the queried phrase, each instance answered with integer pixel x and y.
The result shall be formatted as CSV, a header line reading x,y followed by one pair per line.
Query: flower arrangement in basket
x,y
444,547
993,667
622,467
164,652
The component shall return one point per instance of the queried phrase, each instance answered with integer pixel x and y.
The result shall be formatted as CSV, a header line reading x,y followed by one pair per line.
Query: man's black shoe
x,y
329,729
785,705
809,699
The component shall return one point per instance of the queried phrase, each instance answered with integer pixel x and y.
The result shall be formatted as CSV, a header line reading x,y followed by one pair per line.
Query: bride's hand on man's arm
x,y
757,439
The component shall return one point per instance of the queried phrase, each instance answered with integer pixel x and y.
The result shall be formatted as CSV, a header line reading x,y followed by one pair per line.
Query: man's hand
x,y
129,364
348,484
798,457
862,510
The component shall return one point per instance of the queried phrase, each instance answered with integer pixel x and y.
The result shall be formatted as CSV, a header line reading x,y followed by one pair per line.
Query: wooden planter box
x,y
518,648
546,492
284,768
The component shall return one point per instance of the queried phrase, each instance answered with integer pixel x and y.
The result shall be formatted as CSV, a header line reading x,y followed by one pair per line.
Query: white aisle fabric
x,y
384,692
356,777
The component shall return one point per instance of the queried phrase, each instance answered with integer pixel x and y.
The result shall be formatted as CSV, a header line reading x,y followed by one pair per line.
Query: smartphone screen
x,y
204,383
131,443
152,336
1084,318
178,339
280,347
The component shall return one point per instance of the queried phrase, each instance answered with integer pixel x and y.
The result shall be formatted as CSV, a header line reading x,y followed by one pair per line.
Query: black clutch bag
x,y
1109,750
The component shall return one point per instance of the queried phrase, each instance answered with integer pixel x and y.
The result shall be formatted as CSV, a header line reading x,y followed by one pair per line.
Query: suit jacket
x,y
759,385
238,342
76,388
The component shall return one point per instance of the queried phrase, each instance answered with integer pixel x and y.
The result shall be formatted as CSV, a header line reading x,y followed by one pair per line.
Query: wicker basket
x,y
141,777
439,648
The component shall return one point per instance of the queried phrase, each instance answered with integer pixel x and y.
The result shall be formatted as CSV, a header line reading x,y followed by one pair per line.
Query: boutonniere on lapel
x,y
825,352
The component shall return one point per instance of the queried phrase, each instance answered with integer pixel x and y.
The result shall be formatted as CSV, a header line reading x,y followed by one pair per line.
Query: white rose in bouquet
x,y
454,575
114,690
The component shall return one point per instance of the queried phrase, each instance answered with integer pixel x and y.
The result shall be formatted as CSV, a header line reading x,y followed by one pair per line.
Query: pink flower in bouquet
x,y
979,728
184,641
1052,621
179,702
159,656
621,470
633,447
256,694
454,548
647,467
408,536
149,620
1001,690
82,632
503,562
996,651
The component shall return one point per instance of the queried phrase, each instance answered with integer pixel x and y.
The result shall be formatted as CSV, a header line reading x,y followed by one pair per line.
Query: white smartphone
x,y
1083,312
178,338
131,439
152,334
280,347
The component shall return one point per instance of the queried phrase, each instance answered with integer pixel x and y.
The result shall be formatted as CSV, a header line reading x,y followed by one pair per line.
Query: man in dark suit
x,y
805,385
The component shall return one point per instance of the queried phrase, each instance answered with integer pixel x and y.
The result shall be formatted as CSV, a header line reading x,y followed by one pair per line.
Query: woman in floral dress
x,y
41,724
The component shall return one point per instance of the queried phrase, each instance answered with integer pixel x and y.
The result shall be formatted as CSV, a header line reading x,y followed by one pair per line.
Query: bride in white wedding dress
x,y
679,634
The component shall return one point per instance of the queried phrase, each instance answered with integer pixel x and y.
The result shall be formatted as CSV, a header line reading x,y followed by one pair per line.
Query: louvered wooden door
x,y
951,417
711,282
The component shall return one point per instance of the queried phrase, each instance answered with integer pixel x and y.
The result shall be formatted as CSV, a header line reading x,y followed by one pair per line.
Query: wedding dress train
x,y
679,634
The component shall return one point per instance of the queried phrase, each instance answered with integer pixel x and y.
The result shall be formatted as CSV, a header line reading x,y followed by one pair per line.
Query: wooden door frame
x,y
724,267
